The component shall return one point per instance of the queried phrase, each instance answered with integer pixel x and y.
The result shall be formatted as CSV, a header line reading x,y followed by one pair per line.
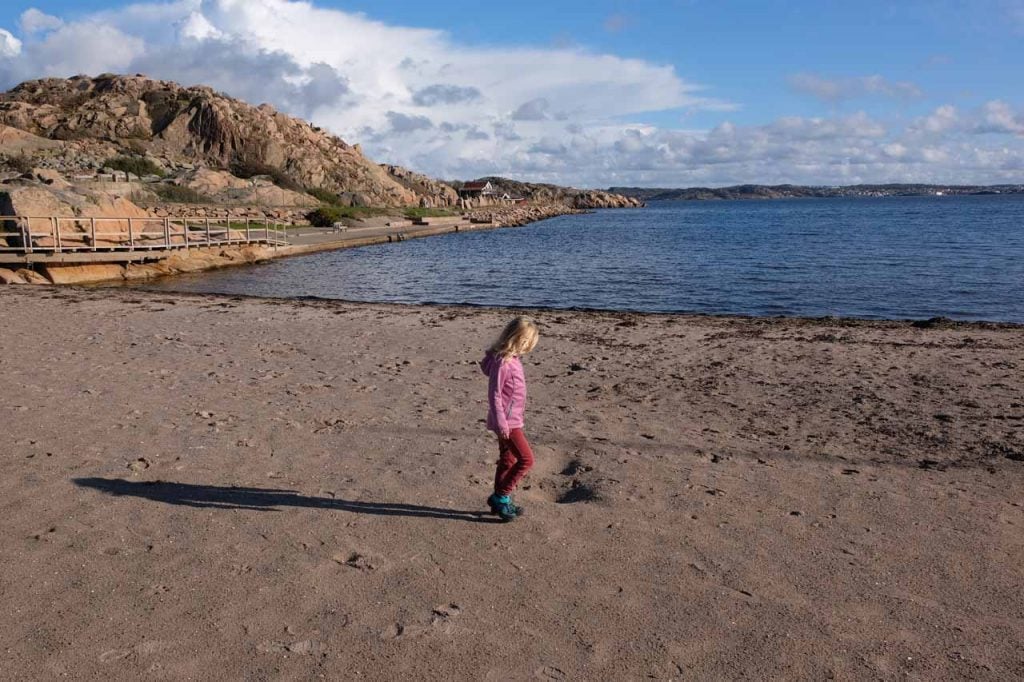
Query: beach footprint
x,y
441,622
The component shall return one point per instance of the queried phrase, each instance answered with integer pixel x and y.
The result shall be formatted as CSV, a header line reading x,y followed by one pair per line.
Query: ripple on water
x,y
959,257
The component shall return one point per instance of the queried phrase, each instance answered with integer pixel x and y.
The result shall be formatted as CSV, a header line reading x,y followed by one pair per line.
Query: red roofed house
x,y
472,190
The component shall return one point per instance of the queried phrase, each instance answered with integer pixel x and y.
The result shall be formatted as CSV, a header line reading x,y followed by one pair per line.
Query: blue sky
x,y
594,93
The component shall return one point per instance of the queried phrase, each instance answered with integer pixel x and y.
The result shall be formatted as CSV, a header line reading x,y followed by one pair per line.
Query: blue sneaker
x,y
503,506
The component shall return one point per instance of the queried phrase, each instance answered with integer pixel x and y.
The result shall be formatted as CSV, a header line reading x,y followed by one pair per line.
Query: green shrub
x,y
176,194
325,216
246,169
21,163
136,165
326,196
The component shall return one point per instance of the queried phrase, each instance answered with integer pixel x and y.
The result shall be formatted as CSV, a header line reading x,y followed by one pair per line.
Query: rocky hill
x,y
570,196
182,129
194,145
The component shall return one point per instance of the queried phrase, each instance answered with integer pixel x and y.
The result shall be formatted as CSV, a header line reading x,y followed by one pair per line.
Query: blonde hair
x,y
518,338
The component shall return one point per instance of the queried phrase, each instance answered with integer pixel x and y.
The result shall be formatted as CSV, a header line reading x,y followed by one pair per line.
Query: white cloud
x,y
34,21
995,117
943,119
85,47
999,117
833,90
9,45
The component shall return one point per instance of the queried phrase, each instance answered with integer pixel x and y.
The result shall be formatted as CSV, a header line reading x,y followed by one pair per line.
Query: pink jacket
x,y
506,393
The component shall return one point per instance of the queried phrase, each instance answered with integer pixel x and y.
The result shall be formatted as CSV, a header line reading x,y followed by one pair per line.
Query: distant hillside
x,y
544,193
800,191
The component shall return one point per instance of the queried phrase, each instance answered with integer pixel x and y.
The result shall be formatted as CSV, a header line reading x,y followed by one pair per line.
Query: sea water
x,y
891,258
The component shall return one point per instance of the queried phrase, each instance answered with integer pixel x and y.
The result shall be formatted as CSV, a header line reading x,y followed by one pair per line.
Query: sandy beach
x,y
198,486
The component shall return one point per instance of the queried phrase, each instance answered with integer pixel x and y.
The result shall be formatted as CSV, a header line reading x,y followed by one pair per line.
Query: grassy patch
x,y
136,165
20,163
176,194
429,212
325,196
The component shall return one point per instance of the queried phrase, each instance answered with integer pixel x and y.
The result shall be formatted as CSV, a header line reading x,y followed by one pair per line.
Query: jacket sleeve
x,y
495,381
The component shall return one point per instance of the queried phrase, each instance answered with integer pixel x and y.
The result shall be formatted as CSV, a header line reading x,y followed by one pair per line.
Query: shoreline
x,y
295,488
201,259
937,322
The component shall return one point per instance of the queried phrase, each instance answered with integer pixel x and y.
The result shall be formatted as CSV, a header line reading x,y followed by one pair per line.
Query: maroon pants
x,y
515,458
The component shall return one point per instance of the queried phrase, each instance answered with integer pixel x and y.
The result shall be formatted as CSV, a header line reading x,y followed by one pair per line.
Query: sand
x,y
203,486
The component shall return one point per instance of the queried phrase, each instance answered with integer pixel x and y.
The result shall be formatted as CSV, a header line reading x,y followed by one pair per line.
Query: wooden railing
x,y
52,234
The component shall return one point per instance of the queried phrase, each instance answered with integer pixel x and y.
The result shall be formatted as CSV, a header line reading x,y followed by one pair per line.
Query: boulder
x,y
144,271
83,274
10,277
39,204
49,176
212,182
33,277
14,141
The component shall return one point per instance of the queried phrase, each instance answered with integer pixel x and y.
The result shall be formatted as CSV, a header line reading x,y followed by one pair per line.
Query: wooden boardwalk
x,y
56,239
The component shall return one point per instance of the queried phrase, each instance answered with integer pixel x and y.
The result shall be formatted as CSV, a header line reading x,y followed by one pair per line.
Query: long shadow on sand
x,y
259,499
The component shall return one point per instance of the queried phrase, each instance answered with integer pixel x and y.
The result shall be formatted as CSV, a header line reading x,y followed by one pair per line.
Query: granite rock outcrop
x,y
82,121
541,193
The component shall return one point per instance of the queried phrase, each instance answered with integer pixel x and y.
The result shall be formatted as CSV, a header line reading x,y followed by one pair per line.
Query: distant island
x,y
803,192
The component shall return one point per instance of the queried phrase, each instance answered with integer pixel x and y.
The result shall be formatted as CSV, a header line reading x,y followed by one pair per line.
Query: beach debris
x,y
139,465
114,655
355,560
930,465
932,323
576,467
302,648
446,611
549,672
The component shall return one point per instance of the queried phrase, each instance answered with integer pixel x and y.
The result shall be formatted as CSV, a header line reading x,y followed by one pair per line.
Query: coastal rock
x,y
520,214
14,141
51,177
40,203
223,187
32,277
10,277
539,193
598,199
83,274
433,194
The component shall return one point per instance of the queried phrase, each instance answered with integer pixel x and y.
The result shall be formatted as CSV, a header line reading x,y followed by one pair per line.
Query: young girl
x,y
506,401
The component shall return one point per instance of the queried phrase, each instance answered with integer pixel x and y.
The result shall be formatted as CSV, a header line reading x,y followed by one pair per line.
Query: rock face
x,y
14,141
256,191
599,199
39,203
433,194
89,118
555,194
